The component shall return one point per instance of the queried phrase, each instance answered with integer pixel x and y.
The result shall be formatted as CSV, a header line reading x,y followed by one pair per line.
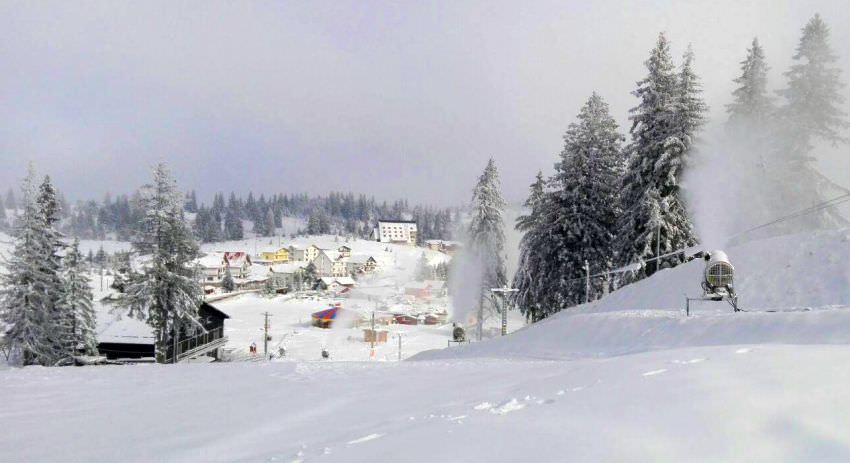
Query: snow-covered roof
x,y
344,281
127,330
211,260
360,258
416,285
289,267
435,284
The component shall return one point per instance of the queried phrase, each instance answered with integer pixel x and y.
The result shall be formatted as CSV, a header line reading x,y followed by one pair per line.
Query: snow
x,y
626,378
730,407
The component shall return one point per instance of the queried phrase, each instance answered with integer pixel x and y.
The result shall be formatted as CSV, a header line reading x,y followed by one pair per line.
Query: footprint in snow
x,y
655,372
365,439
507,407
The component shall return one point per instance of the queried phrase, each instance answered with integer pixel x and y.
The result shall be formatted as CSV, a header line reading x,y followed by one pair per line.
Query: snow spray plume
x,y
464,282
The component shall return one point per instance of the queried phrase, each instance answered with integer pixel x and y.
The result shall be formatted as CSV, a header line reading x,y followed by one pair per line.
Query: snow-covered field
x,y
730,403
627,378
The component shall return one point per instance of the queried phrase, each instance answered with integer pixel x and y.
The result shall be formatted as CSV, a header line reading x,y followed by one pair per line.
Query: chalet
x,y
336,284
330,263
238,262
133,340
211,267
395,231
403,319
288,275
344,251
275,255
311,252
446,247
361,264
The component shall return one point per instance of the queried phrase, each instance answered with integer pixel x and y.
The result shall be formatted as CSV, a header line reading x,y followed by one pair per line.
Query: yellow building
x,y
276,256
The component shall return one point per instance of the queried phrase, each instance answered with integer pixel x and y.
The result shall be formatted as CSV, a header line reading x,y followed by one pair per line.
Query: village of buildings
x,y
323,297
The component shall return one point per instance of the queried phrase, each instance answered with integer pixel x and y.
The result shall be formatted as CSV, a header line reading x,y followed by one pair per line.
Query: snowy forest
x,y
337,213
615,211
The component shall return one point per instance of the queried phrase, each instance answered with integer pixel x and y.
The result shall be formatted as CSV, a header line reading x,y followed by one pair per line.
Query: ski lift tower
x,y
505,292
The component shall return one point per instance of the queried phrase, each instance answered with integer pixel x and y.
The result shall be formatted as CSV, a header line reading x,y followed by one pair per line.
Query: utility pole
x,y
266,336
586,282
504,291
399,347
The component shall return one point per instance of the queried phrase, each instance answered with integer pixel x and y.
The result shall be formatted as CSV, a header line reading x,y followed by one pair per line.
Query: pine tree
x,y
227,282
812,112
270,223
51,261
165,293
233,229
487,237
654,218
532,204
77,302
424,269
27,304
576,221
752,103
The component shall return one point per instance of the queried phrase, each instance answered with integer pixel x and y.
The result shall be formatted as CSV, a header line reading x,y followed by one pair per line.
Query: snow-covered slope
x,y
730,404
796,290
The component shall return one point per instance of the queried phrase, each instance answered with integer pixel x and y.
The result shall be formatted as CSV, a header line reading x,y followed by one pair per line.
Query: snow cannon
x,y
718,278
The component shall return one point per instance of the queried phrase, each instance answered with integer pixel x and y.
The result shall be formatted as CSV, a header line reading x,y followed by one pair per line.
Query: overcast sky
x,y
395,99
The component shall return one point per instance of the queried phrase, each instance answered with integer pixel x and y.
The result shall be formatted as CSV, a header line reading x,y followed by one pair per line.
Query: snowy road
x,y
726,403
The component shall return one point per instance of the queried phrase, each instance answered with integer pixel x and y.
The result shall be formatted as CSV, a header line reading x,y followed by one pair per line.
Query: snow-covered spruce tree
x,y
663,128
26,304
749,131
227,282
424,269
48,205
77,302
577,220
487,239
165,292
690,106
752,104
532,204
233,229
812,112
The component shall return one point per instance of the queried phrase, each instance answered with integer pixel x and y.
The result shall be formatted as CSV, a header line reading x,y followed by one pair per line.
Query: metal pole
x,y
399,347
586,282
372,343
658,247
266,337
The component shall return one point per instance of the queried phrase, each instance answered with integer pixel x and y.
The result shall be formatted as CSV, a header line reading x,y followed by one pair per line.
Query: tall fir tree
x,y
535,199
577,220
77,302
812,113
487,239
752,104
654,220
48,205
27,304
165,292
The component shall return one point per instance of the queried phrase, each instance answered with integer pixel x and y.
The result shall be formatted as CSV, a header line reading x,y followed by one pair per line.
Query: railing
x,y
199,343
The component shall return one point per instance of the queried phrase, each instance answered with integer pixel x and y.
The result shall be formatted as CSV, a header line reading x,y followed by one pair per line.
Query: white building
x,y
330,263
395,231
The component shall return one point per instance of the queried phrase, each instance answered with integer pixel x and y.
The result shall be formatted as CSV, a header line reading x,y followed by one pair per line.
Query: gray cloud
x,y
383,98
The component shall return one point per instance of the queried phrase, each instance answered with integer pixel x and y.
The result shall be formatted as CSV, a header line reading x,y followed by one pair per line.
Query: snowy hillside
x,y
627,378
794,288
